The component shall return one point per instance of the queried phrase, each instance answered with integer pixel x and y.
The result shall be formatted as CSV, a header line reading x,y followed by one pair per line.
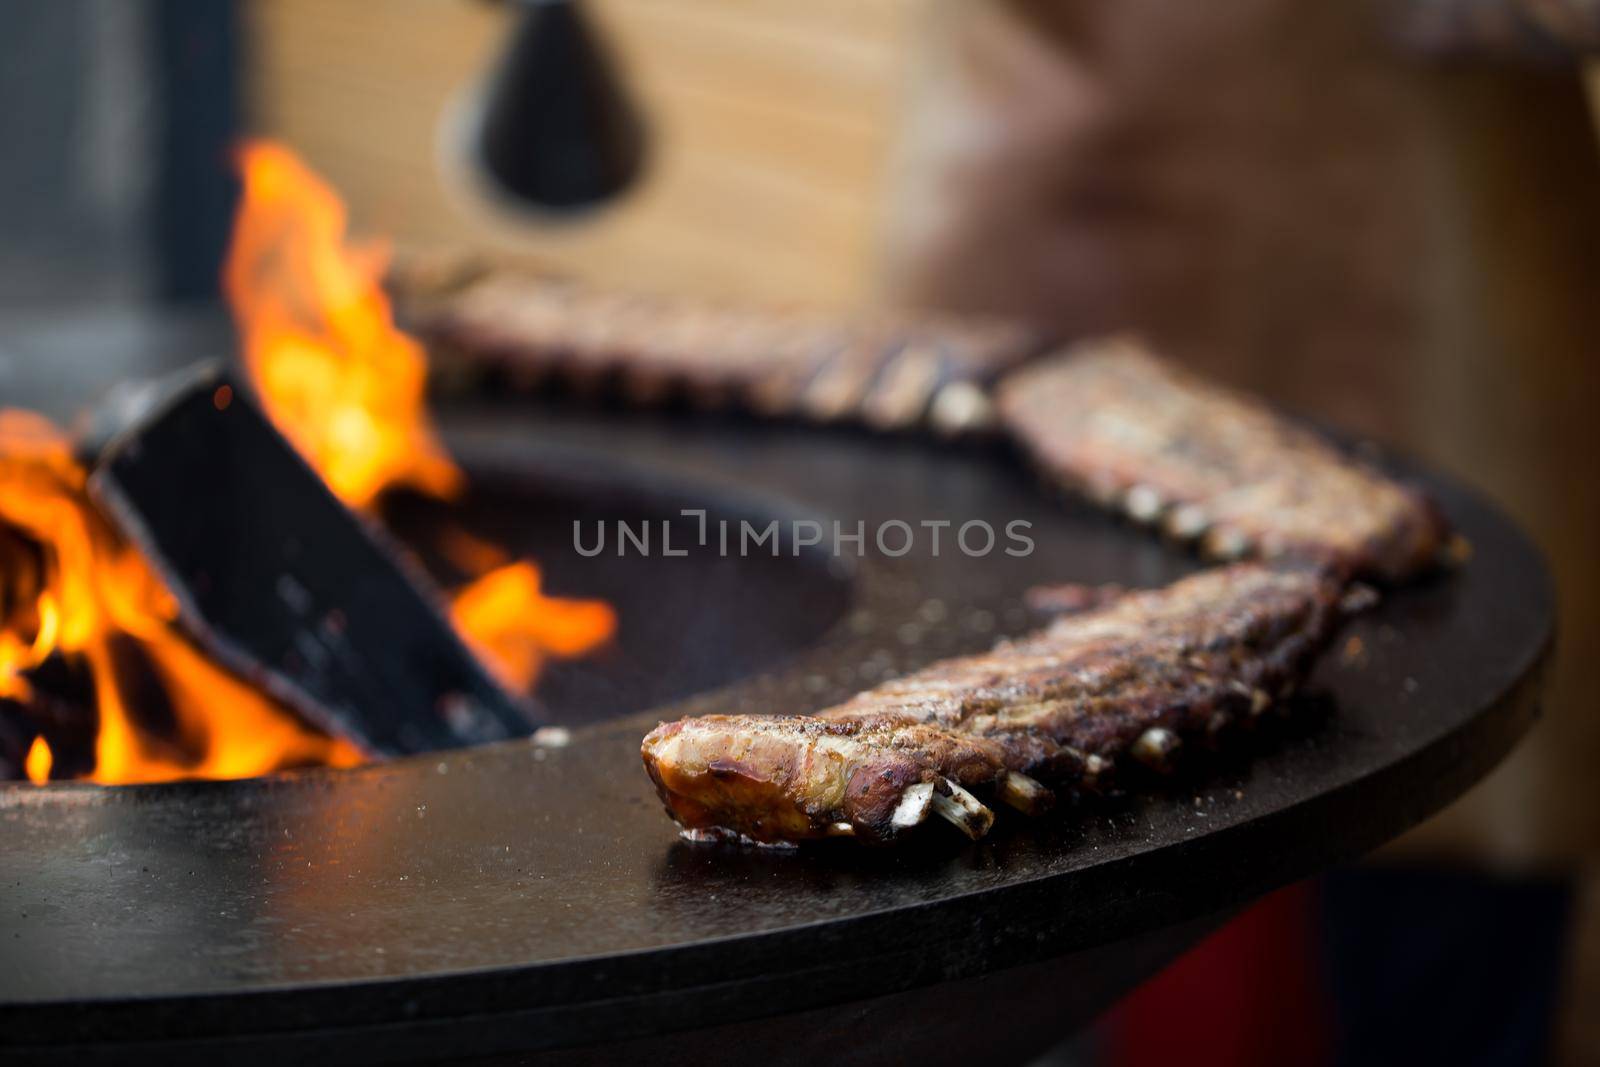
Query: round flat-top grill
x,y
531,897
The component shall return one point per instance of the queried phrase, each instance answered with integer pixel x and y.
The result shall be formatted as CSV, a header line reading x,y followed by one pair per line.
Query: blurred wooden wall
x,y
772,123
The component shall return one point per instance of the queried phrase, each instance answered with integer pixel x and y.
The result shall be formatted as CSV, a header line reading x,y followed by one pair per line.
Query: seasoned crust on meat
x,y
1111,420
797,777
1061,705
891,371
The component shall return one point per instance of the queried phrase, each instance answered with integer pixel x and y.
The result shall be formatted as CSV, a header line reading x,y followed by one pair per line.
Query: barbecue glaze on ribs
x,y
1060,706
1207,464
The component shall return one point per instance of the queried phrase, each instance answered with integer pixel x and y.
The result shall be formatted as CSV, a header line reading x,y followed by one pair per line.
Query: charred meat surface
x,y
1059,707
1134,432
799,777
889,371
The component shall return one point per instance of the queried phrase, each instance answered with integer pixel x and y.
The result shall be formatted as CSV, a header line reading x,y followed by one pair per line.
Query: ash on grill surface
x,y
890,371
1130,679
1140,435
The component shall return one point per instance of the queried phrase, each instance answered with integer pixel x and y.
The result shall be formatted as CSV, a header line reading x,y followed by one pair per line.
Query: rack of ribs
x,y
889,370
1135,433
1128,679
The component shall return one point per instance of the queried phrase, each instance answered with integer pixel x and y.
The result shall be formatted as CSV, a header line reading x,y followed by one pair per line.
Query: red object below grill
x,y
1250,995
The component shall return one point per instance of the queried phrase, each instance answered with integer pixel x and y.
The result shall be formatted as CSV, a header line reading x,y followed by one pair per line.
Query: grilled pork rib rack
x,y
888,371
1131,679
1208,465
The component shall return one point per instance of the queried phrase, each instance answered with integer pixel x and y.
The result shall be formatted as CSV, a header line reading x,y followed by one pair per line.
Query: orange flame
x,y
73,588
349,389
513,626
335,375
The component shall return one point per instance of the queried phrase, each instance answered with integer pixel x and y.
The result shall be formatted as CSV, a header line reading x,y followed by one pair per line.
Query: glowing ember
x,y
72,588
348,388
37,765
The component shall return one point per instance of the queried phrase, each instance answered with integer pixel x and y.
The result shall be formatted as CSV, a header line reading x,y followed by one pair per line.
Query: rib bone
x,y
1155,748
915,803
1025,794
964,810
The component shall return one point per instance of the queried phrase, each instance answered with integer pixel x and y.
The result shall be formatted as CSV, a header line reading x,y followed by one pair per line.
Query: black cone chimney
x,y
556,131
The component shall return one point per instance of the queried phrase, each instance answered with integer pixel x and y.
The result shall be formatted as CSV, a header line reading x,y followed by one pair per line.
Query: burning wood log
x,y
95,679
59,708
277,579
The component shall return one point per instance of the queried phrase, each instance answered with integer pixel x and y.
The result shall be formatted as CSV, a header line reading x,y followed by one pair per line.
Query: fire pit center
x,y
690,617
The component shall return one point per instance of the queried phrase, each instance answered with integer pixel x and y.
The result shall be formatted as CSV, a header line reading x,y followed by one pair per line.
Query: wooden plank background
x,y
772,126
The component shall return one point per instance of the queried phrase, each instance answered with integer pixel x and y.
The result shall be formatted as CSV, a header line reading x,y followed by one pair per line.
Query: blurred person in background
x,y
1385,215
